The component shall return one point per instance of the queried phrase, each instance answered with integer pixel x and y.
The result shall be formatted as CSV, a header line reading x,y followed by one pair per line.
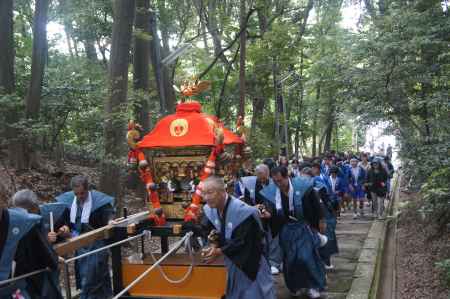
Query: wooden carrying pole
x,y
97,234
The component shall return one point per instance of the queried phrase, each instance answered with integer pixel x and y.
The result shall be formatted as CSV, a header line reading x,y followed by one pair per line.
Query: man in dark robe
x,y
249,189
23,244
89,210
330,206
299,218
44,285
241,242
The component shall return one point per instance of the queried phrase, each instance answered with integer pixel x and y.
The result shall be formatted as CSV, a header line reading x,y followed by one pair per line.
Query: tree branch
x,y
251,11
225,80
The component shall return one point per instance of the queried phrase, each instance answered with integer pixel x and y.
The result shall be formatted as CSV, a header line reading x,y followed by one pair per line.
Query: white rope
x,y
146,272
188,245
7,281
104,248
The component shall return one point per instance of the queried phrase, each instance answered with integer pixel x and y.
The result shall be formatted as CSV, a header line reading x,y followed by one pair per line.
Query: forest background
x,y
304,83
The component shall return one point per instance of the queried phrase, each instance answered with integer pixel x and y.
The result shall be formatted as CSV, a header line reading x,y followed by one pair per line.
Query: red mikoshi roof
x,y
231,138
187,127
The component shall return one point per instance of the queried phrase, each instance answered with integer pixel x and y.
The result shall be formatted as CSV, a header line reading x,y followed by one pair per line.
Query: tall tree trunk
x,y
6,47
75,47
224,84
7,80
201,15
141,61
27,148
258,105
304,22
102,50
314,139
242,41
33,98
328,136
426,87
69,42
277,110
167,74
299,109
262,17
155,53
329,129
280,115
213,28
118,73
89,48
259,100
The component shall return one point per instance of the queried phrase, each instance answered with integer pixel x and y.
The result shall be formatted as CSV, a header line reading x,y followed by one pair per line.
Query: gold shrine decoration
x,y
192,88
179,127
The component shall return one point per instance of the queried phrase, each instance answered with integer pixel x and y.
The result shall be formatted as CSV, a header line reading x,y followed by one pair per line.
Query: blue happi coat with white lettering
x,y
20,223
92,272
239,286
302,265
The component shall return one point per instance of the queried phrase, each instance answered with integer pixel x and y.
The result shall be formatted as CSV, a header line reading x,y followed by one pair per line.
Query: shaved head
x,y
214,182
214,192
263,173
26,199
263,169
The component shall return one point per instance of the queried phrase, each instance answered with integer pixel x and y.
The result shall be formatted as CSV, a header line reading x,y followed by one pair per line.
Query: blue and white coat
x,y
92,272
20,223
302,265
239,286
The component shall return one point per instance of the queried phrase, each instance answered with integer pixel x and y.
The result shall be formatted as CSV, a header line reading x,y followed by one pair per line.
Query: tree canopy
x,y
304,83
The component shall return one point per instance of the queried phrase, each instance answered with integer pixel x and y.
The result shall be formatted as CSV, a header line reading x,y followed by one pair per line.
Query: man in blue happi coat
x,y
325,166
356,185
89,210
241,242
344,175
321,176
20,234
249,188
43,285
330,204
299,217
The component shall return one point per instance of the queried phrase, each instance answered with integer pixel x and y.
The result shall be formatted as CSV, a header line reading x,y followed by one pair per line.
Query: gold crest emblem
x,y
179,127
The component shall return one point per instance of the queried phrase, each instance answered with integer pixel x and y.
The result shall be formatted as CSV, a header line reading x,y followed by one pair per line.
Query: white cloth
x,y
333,183
87,206
241,188
355,172
278,204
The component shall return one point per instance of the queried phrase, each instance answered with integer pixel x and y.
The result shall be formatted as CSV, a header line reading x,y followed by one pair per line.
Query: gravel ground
x,y
419,247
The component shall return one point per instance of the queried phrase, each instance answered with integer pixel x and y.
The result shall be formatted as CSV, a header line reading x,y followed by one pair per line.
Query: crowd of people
x,y
297,205
280,216
28,229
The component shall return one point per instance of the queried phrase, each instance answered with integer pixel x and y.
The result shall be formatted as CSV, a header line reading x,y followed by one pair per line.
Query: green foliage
x,y
444,266
394,68
436,193
400,72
